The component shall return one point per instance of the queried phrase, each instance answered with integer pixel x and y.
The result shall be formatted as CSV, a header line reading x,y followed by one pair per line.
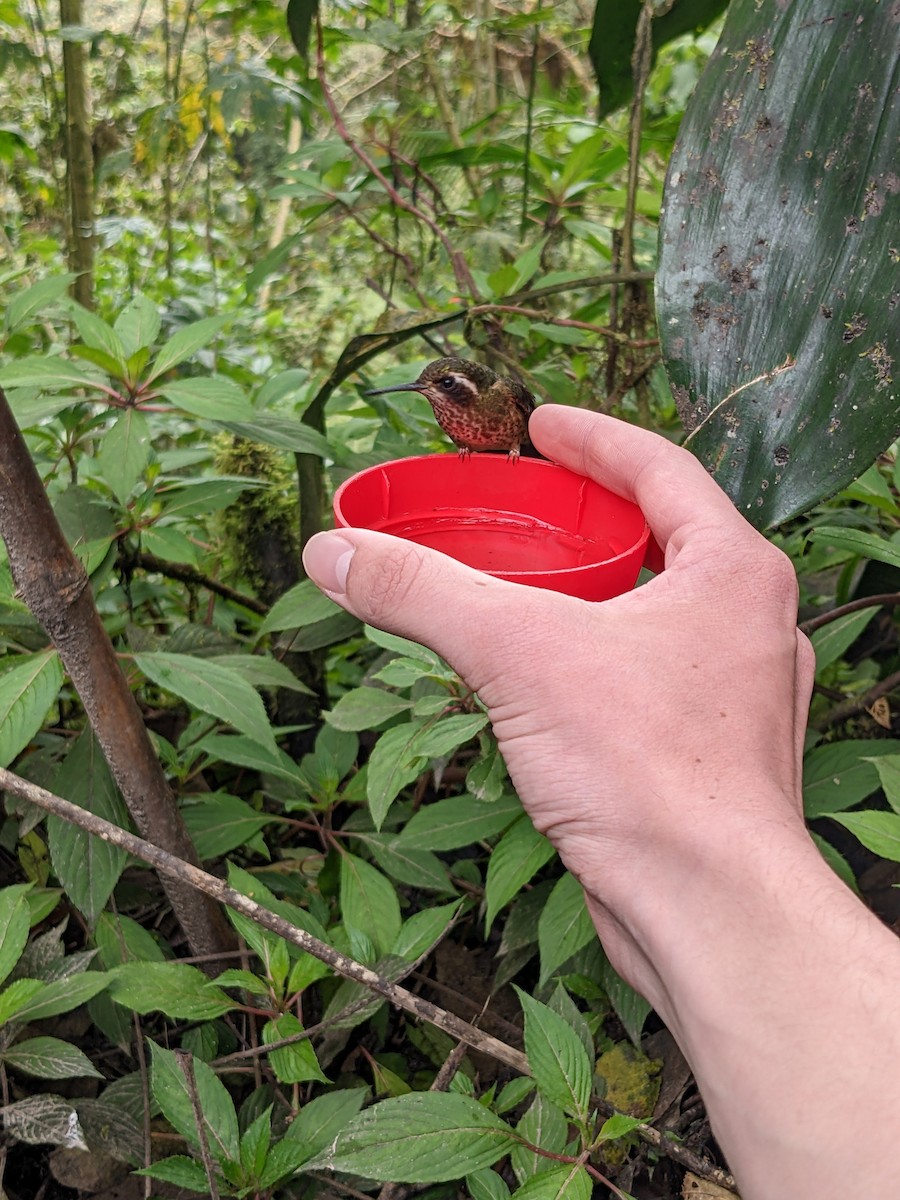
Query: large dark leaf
x,y
777,289
612,40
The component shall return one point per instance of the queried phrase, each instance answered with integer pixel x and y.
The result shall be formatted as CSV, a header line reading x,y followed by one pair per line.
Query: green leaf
x,y
392,765
619,1125
366,708
262,671
777,254
62,995
51,372
198,498
457,822
99,336
612,41
564,925
561,1068
179,1170
212,689
185,343
177,989
570,1182
630,1006
49,1058
399,645
415,868
245,752
832,640
369,902
838,776
857,541
138,324
301,605
27,690
255,1142
120,939
281,432
486,1185
24,305
519,854
16,996
15,921
125,452
300,14
219,823
544,1125
423,1137
88,867
423,930
878,831
170,1092
322,1119
211,399
448,734
888,769
44,1119
291,1064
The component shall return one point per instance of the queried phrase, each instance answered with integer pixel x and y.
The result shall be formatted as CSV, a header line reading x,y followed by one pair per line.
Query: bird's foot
x,y
464,452
513,455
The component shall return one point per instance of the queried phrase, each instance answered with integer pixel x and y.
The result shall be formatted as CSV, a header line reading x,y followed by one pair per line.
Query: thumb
x,y
469,618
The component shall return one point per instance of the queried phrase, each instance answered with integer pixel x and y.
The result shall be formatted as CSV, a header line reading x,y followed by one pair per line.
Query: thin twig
x,y
880,600
566,322
460,268
186,574
856,704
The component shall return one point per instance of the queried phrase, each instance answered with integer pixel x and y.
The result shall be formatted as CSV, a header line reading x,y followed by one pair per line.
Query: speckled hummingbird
x,y
477,408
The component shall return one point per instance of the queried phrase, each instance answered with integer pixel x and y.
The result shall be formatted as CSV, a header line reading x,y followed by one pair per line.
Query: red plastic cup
x,y
529,521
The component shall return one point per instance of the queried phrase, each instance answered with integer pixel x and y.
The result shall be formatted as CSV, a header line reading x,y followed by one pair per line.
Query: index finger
x,y
669,485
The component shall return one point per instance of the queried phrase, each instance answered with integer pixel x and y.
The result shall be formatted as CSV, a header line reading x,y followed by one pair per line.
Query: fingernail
x,y
327,560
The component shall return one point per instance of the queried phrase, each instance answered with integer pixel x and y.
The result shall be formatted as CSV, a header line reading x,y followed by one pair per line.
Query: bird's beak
x,y
397,387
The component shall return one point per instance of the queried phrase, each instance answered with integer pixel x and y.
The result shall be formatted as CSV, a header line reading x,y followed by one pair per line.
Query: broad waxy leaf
x,y
777,272
544,1125
857,541
62,995
423,1137
459,821
303,604
26,304
15,921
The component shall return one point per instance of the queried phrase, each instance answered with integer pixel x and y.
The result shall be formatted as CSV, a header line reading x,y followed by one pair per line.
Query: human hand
x,y
663,722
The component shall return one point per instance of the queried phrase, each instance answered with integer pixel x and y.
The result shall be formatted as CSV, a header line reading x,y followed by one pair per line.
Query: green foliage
x,y
260,263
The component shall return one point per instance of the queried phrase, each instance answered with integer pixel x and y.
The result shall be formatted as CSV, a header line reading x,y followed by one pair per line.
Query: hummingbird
x,y
477,408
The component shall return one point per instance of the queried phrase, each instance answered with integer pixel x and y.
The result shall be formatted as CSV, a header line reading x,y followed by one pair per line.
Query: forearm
x,y
782,991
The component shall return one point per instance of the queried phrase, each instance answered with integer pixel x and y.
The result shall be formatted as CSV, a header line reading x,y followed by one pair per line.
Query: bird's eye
x,y
448,382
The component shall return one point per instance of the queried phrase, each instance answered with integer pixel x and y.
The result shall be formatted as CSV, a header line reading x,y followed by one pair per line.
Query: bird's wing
x,y
524,400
